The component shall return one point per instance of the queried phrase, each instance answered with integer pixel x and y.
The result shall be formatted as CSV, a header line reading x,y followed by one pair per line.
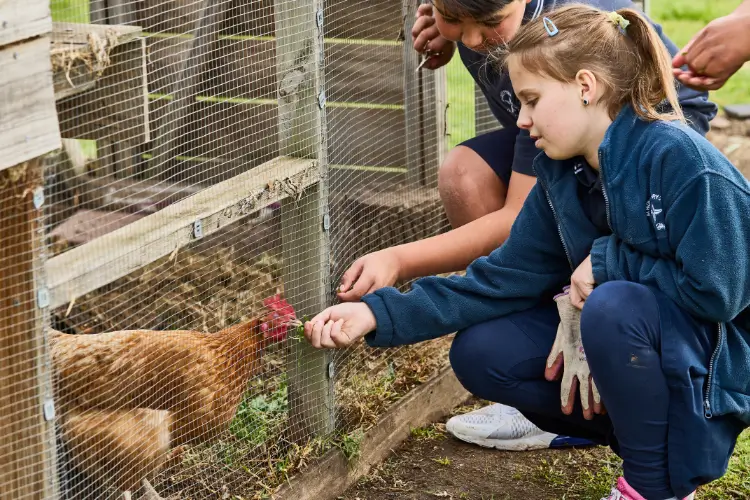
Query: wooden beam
x,y
304,225
28,122
106,98
106,259
27,447
23,20
427,403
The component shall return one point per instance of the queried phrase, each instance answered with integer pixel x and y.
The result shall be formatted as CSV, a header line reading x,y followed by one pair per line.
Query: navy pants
x,y
629,333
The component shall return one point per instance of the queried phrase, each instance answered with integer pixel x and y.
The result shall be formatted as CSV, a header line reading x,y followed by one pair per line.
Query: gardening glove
x,y
567,355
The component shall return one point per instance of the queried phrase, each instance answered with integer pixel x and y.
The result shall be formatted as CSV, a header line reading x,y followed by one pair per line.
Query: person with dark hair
x,y
642,309
484,181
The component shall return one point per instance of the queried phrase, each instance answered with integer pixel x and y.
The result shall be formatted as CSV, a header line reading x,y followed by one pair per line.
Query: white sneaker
x,y
505,428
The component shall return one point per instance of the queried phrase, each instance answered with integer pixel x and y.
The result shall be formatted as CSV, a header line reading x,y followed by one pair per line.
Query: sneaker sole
x,y
538,442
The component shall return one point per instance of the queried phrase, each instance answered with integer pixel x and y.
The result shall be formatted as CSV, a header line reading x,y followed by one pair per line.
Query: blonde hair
x,y
631,62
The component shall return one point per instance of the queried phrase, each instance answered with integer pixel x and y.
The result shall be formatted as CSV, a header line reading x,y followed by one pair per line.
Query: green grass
x,y
70,11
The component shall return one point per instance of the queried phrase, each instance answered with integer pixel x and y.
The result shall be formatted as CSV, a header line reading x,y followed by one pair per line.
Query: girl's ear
x,y
587,85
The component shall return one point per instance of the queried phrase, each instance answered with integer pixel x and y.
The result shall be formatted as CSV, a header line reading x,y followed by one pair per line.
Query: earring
x,y
585,102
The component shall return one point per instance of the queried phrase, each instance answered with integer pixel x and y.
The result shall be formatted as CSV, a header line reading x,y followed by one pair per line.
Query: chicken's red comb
x,y
282,315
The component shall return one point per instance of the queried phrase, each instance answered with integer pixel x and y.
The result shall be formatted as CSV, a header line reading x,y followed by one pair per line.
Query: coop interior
x,y
221,164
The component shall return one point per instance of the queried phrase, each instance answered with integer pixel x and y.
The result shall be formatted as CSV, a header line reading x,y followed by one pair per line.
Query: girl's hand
x,y
340,326
369,273
582,283
427,38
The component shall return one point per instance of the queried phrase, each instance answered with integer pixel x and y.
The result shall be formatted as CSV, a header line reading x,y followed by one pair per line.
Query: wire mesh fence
x,y
223,163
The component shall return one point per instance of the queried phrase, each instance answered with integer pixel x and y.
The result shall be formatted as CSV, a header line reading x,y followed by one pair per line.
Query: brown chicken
x,y
120,449
182,386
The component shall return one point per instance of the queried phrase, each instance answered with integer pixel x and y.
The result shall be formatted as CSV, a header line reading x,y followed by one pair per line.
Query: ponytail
x,y
654,82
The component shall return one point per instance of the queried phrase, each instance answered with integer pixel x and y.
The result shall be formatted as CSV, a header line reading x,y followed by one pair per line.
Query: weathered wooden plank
x,y
74,33
304,231
241,132
23,20
427,403
28,121
370,20
101,261
413,97
354,72
432,125
27,458
116,107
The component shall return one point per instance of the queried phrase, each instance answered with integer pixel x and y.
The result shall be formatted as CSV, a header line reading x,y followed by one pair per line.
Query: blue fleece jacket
x,y
678,210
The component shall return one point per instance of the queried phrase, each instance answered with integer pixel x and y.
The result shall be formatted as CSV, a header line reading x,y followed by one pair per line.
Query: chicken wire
x,y
184,242
166,107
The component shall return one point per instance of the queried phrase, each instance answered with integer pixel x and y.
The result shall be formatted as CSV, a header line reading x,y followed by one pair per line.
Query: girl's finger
x,y
350,276
338,337
316,333
308,331
576,299
325,339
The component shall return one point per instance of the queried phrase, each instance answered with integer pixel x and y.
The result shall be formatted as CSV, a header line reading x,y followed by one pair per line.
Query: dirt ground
x,y
432,464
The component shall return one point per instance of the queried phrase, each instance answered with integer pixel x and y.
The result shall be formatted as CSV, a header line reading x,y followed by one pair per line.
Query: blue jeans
x,y
626,329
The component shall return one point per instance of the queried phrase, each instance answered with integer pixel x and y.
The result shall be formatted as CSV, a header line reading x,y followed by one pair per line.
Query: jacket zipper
x,y
604,190
706,403
559,228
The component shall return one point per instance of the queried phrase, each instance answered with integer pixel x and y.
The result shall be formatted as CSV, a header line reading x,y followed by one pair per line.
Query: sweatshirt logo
x,y
655,213
507,99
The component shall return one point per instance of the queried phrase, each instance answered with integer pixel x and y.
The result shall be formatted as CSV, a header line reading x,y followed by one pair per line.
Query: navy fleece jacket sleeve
x,y
512,278
710,237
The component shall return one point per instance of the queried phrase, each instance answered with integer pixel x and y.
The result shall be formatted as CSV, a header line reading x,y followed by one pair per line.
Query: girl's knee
x,y
614,309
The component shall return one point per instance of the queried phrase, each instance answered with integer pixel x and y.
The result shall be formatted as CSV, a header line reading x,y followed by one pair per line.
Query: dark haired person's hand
x,y
716,52
427,39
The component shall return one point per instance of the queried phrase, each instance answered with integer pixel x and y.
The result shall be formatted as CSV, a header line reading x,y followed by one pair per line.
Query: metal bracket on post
x,y
198,229
319,18
48,408
326,222
322,99
42,297
38,197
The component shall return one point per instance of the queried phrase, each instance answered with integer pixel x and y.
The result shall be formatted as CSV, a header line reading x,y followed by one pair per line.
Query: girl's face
x,y
481,34
554,114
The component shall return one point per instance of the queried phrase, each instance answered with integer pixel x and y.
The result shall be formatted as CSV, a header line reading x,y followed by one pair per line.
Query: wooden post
x,y
424,105
305,220
27,447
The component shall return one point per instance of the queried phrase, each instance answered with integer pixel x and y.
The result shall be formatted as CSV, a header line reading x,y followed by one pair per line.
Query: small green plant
x,y
426,433
261,416
351,445
442,460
